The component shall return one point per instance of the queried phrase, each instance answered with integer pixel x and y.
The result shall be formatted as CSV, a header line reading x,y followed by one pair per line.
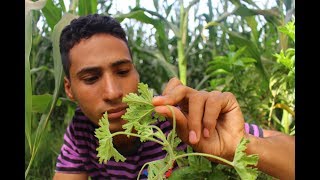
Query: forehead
x,y
98,50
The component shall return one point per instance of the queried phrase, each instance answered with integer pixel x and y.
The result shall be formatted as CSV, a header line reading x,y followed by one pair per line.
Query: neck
x,y
125,145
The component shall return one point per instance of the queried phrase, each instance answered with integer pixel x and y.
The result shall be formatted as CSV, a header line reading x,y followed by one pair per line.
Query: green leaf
x,y
29,6
63,7
219,72
243,11
241,162
145,131
106,150
155,167
140,109
253,24
145,92
52,13
87,7
58,76
289,29
251,51
41,102
247,60
159,24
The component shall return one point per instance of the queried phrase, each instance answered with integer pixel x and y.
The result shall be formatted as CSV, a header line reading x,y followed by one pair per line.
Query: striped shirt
x,y
78,153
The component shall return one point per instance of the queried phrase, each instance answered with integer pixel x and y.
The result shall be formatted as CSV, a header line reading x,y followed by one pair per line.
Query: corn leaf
x,y
29,6
52,13
87,7
58,76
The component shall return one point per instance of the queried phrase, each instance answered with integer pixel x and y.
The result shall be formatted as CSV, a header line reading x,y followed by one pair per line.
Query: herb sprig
x,y
141,116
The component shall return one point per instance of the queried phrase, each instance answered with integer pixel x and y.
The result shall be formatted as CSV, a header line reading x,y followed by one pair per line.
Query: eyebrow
x,y
98,69
120,62
88,70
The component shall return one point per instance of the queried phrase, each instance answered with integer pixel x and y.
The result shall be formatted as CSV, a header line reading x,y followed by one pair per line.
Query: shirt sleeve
x,y
253,129
70,160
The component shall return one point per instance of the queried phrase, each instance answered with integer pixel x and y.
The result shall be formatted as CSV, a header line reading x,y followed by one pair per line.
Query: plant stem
x,y
272,106
30,163
137,135
173,131
181,45
143,168
205,155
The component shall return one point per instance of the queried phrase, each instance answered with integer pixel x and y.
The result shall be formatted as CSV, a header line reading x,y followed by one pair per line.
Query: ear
x,y
67,88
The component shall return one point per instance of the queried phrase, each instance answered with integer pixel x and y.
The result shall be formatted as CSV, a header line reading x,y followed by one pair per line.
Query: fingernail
x,y
156,98
206,132
192,137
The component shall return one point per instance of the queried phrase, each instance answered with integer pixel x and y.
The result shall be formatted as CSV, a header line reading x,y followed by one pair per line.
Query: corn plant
x,y
219,31
160,23
39,107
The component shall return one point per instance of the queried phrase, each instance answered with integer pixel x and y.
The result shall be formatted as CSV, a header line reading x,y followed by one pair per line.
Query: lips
x,y
116,113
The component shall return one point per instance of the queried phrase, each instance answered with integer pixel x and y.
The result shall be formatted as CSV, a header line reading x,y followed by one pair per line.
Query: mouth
x,y
116,113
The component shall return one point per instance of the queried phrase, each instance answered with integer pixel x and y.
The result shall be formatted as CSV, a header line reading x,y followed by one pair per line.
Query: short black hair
x,y
83,28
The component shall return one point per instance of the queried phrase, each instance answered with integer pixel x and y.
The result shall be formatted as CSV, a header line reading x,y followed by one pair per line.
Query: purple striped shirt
x,y
78,152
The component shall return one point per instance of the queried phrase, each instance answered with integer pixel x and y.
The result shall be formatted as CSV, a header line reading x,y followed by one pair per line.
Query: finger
x,y
173,97
212,111
218,105
173,82
228,102
181,120
196,109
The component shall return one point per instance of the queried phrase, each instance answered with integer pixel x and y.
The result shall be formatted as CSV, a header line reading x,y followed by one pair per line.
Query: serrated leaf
x,y
157,166
106,150
145,92
241,162
140,110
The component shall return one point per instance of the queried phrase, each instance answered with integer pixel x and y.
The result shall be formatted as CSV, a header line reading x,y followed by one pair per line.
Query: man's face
x,y
101,73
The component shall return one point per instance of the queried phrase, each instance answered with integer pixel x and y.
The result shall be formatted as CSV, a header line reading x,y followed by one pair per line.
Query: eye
x,y
123,72
91,79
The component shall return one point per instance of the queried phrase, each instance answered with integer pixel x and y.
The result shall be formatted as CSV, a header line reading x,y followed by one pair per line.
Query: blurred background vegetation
x,y
243,46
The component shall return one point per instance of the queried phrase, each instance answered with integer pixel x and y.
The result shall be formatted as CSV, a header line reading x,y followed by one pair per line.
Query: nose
x,y
111,89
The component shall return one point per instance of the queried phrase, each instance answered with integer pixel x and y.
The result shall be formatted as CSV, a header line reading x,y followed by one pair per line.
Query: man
x,y
99,73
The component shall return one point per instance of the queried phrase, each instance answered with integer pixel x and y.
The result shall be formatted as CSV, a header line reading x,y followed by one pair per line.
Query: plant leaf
x,y
140,111
241,161
106,150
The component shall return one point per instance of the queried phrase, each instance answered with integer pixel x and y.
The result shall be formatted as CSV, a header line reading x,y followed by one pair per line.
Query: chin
x,y
115,128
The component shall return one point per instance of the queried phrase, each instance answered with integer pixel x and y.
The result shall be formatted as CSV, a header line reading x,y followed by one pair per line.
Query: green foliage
x,y
282,84
242,162
139,113
87,7
218,31
37,118
139,117
106,149
236,73
47,153
52,13
197,167
270,106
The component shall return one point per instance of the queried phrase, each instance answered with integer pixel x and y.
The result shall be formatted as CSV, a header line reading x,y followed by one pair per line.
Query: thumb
x,y
178,116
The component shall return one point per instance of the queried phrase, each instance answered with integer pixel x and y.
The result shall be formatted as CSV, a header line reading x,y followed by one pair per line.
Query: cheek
x,y
85,97
133,87
89,106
